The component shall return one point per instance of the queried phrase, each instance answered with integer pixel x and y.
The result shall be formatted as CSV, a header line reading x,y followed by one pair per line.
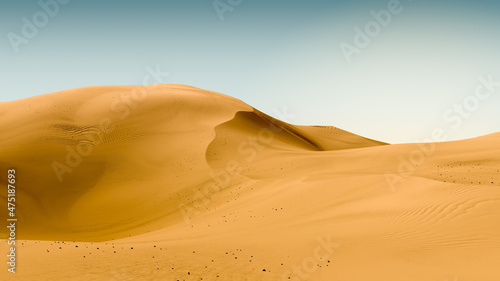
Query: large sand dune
x,y
171,182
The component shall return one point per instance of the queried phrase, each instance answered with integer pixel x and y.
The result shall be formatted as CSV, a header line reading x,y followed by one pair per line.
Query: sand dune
x,y
171,182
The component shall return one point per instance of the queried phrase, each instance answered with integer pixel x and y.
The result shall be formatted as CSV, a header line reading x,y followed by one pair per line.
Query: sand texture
x,y
171,182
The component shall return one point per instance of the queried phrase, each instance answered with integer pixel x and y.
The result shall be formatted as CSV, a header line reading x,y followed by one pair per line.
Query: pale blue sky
x,y
276,55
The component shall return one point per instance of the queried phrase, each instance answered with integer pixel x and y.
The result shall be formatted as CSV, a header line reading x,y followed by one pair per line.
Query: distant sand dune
x,y
171,182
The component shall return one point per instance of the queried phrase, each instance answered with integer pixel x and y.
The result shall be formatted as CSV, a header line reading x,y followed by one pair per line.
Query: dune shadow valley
x,y
171,182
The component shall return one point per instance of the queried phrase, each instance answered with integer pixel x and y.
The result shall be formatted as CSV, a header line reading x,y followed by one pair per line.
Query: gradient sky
x,y
277,56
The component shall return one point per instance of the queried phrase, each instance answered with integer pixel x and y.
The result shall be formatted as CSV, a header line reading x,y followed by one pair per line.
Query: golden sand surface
x,y
172,182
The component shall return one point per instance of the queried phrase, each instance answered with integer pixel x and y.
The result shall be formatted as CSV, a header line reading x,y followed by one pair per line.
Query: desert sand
x,y
172,182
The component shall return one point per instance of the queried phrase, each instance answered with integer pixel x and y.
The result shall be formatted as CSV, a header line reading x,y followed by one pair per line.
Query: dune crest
x,y
82,147
172,182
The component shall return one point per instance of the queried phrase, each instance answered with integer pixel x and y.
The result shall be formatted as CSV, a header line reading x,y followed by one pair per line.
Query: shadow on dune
x,y
253,133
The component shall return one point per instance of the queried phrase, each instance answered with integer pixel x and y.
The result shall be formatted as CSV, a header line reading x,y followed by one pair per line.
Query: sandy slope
x,y
170,182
